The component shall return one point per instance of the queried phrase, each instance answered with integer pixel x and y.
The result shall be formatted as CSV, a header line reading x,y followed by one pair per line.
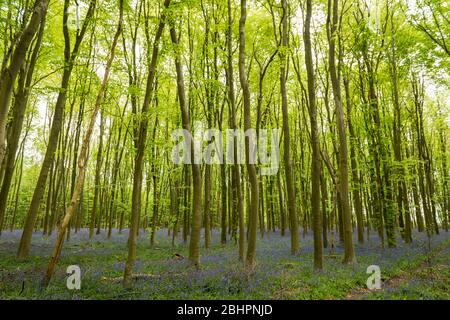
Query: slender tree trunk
x,y
238,201
194,242
445,179
223,211
207,207
17,193
349,252
405,226
98,168
140,140
155,185
356,192
315,143
251,169
290,188
323,193
186,201
282,205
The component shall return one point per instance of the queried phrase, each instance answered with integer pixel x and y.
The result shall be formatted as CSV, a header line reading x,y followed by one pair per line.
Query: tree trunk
x,y
194,242
98,168
238,201
290,188
315,143
349,252
140,140
251,169
356,192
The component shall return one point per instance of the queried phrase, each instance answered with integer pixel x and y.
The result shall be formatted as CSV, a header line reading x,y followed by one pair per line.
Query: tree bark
x,y
194,241
238,202
290,188
349,252
140,139
251,169
315,143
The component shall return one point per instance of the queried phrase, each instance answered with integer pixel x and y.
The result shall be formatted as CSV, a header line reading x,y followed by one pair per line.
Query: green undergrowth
x,y
278,274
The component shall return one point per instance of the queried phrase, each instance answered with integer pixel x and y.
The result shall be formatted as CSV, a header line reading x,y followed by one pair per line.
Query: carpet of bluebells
x,y
278,275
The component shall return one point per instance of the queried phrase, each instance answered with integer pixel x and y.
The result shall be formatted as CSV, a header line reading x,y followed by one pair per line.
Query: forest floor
x,y
409,271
